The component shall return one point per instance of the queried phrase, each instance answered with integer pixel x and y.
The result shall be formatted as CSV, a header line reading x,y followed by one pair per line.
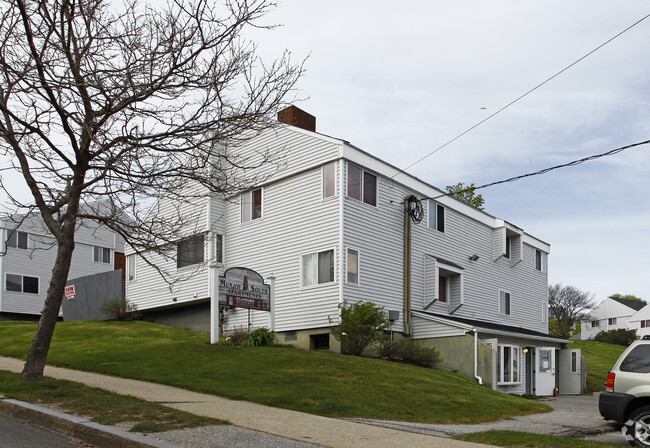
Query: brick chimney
x,y
297,117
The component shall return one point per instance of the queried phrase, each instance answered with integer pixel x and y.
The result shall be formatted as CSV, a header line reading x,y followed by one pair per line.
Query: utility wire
x,y
520,97
546,170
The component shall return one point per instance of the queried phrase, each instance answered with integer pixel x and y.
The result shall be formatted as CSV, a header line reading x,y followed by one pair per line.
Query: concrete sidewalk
x,y
294,425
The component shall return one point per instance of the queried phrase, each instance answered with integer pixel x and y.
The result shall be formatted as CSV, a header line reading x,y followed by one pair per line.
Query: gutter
x,y
478,378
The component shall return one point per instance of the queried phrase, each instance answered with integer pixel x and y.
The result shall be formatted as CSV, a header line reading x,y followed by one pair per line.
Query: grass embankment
x,y
321,383
600,358
100,406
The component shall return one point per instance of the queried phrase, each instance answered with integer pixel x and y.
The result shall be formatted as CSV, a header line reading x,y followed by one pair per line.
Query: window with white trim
x,y
190,251
436,216
508,247
21,283
504,303
329,180
131,267
595,323
362,185
540,260
317,268
611,321
352,266
17,239
101,254
251,205
508,364
218,248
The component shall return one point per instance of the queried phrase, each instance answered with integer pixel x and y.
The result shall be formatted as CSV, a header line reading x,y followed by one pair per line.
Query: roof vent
x,y
297,117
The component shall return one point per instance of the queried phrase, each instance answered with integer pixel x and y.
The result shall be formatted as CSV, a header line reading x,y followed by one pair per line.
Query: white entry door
x,y
570,371
545,371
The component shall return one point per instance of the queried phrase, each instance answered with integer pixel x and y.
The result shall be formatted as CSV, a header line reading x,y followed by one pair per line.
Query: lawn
x,y
600,357
515,439
321,383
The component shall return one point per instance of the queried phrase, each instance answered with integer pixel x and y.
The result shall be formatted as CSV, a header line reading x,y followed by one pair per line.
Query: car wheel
x,y
637,428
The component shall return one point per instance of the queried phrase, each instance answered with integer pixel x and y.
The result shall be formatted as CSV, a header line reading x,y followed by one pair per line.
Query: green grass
x,y
100,406
600,357
321,383
528,440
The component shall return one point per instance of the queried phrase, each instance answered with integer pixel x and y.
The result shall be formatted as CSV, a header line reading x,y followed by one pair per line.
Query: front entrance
x,y
544,371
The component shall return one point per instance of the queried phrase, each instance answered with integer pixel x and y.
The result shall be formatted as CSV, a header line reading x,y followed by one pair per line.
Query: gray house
x,y
335,223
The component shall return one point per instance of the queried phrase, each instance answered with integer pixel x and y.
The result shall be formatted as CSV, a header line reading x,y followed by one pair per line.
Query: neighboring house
x,y
330,226
640,321
27,256
610,314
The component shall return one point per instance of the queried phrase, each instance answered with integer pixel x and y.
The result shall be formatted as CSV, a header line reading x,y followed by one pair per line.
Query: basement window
x,y
319,341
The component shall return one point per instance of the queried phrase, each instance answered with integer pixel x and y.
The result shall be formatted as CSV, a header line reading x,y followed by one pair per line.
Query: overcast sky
x,y
400,79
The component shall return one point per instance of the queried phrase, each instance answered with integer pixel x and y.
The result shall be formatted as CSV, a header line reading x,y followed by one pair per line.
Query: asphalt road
x,y
18,434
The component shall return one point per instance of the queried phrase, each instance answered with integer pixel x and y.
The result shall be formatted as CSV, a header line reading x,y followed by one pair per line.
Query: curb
x,y
77,427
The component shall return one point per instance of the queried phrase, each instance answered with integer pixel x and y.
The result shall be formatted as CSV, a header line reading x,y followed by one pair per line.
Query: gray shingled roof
x,y
636,305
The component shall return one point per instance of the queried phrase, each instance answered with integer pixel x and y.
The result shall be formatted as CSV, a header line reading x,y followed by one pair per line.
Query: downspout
x,y
478,378
408,326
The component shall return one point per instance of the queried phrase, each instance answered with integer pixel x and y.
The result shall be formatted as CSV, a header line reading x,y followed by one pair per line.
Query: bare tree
x,y
106,107
567,306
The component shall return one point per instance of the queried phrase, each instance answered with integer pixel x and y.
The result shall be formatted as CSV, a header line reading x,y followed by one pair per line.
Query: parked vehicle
x,y
627,396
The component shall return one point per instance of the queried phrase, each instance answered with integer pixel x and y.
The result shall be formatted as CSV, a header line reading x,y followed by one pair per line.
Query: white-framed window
x,y
130,261
251,205
101,254
21,283
17,239
218,248
317,268
504,303
352,266
362,185
595,323
508,364
645,323
540,260
436,216
329,180
190,251
611,321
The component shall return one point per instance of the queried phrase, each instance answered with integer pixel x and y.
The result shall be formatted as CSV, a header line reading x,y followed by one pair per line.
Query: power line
x,y
520,97
546,170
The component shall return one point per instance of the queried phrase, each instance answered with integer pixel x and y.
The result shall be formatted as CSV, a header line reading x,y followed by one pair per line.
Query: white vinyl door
x,y
544,371
570,371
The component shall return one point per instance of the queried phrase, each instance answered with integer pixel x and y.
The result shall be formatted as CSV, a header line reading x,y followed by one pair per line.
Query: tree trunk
x,y
35,364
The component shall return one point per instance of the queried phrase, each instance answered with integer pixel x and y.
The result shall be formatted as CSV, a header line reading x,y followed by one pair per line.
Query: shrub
x,y
409,352
362,324
619,337
119,309
260,337
235,336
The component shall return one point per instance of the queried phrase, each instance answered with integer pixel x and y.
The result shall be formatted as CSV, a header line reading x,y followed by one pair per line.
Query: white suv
x,y
627,399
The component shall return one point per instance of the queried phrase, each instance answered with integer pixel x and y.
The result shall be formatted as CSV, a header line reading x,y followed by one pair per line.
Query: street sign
x,y
70,293
244,288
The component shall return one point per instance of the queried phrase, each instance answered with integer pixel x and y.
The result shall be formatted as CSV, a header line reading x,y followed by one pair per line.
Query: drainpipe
x,y
478,378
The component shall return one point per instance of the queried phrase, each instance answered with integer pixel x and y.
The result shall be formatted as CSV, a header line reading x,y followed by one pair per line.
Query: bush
x,y
618,337
409,352
119,309
362,324
235,336
260,337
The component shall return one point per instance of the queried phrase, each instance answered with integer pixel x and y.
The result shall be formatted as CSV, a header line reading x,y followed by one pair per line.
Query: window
x,y
17,239
318,268
540,260
508,247
189,251
329,180
545,312
442,289
508,364
101,254
131,267
645,324
353,266
251,205
504,303
594,324
21,283
436,216
611,321
443,283
638,360
218,256
362,185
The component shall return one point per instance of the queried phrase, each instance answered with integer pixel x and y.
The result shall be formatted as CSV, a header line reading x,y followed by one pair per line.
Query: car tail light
x,y
610,382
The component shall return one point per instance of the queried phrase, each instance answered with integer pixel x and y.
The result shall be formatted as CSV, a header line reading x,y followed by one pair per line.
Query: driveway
x,y
573,416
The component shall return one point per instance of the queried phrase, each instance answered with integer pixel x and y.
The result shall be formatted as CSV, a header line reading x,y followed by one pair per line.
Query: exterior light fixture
x,y
474,257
